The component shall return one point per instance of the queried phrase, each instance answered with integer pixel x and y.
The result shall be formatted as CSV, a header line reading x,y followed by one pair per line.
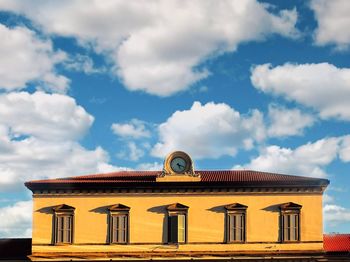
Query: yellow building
x,y
178,212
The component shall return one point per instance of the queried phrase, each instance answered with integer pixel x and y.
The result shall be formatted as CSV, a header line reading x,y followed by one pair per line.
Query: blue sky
x,y
99,86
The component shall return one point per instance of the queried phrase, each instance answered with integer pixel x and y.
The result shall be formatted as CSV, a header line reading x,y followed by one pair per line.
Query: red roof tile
x,y
336,242
232,177
250,176
119,174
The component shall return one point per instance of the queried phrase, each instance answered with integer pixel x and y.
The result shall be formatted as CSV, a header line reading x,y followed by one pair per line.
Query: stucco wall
x,y
206,217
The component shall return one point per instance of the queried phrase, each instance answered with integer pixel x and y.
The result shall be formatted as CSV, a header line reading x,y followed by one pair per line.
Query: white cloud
x,y
38,139
344,153
134,129
306,160
104,167
157,46
150,166
333,22
334,214
324,87
327,198
16,220
26,58
133,151
287,122
46,116
35,159
82,63
209,131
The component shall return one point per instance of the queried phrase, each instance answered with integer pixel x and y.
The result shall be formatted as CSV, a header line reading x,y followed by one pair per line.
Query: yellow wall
x,y
206,218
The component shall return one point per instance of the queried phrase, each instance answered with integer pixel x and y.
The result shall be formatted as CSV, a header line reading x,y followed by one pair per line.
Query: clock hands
x,y
179,165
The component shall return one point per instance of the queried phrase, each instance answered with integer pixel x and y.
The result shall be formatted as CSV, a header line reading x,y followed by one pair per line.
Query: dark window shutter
x,y
122,229
63,229
282,228
236,227
172,229
290,227
114,229
119,228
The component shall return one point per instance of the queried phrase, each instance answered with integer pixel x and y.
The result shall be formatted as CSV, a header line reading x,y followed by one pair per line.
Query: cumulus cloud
x,y
82,63
335,214
327,198
333,22
323,87
132,152
45,116
16,220
306,160
39,136
150,166
133,129
158,46
26,58
344,153
287,122
209,131
130,131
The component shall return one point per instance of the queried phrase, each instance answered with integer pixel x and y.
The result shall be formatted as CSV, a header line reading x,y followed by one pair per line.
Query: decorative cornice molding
x,y
179,191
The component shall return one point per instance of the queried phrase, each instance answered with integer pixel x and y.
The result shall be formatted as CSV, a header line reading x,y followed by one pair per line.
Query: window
x,y
119,230
177,223
64,228
177,228
119,224
290,222
235,223
63,224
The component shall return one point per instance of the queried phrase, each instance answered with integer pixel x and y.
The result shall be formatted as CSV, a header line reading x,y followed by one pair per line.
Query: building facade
x,y
177,212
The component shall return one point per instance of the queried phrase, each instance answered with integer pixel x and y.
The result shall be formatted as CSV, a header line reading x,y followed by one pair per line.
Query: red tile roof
x,y
226,177
251,176
336,242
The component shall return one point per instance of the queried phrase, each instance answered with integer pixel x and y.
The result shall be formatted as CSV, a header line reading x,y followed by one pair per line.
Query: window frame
x,y
118,210
63,211
288,210
176,210
231,210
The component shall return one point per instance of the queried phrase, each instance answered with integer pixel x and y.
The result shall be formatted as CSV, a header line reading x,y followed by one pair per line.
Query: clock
x,y
178,164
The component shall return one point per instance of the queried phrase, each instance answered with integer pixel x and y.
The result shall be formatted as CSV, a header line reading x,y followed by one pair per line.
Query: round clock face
x,y
178,164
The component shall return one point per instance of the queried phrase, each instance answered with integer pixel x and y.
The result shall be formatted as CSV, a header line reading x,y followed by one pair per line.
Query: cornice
x,y
179,191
